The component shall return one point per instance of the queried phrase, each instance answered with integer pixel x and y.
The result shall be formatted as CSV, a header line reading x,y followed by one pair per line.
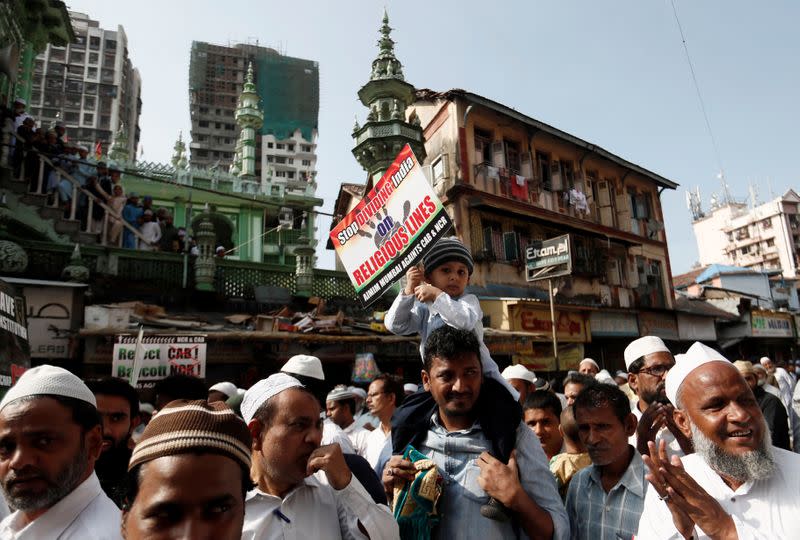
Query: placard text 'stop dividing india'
x,y
372,206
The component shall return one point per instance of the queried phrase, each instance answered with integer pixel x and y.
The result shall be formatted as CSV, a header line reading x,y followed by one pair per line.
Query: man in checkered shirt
x,y
605,500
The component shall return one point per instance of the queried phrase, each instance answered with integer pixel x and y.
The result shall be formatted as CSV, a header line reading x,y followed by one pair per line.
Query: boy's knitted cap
x,y
184,427
447,250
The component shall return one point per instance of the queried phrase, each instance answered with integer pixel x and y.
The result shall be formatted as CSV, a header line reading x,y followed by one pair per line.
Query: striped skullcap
x,y
184,427
447,250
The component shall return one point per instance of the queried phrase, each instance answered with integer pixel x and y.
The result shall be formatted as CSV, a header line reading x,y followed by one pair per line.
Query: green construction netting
x,y
197,65
289,91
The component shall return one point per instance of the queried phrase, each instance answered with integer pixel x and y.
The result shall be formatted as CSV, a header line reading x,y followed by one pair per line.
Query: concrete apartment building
x,y
289,91
90,85
764,237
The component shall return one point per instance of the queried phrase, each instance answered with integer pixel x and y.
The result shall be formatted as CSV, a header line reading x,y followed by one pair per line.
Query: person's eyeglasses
x,y
656,371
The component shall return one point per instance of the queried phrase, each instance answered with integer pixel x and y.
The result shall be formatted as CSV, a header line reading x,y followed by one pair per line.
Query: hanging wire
x,y
702,103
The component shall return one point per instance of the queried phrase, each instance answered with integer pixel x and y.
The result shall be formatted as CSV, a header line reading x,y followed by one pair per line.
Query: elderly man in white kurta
x,y
736,484
50,438
289,502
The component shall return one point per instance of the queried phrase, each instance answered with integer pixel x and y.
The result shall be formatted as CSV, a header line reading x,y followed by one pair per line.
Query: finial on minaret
x,y
356,127
249,79
386,65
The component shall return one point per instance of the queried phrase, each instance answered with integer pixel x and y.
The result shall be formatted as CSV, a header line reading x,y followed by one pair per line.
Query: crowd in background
x,y
93,177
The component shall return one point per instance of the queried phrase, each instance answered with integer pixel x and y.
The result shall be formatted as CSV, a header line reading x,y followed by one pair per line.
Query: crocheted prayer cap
x,y
447,250
184,427
49,380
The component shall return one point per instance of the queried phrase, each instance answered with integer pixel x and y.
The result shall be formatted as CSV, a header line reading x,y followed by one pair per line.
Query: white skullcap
x,y
759,367
49,380
410,387
20,100
303,364
589,361
146,408
697,355
82,147
603,376
764,359
227,388
643,346
518,371
339,393
621,373
359,392
259,393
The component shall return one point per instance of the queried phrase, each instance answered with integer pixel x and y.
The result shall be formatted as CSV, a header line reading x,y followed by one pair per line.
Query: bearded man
x,y
50,438
736,484
118,405
648,360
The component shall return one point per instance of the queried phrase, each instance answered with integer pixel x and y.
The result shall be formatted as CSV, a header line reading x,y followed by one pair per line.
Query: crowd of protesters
x,y
95,178
678,446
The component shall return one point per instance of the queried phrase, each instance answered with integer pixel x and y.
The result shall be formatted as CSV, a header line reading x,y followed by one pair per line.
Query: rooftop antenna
x,y
694,204
769,183
753,189
726,193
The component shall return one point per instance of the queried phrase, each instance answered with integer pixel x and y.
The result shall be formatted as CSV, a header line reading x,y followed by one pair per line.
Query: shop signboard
x,y
696,328
570,325
661,325
611,324
771,324
550,258
541,357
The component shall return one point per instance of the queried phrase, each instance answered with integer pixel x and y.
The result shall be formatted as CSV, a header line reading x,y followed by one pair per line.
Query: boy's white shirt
x,y
408,316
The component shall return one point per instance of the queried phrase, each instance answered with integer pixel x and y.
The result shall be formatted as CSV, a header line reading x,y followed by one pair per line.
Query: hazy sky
x,y
611,72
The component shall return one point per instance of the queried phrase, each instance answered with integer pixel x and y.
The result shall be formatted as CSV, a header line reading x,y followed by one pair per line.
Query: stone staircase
x,y
27,206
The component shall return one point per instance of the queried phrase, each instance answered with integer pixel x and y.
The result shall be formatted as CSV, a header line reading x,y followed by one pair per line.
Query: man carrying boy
x,y
434,299
454,437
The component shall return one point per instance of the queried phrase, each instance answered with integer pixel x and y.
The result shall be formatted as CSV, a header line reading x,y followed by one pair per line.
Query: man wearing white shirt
x,y
736,484
384,396
308,370
289,502
648,360
339,407
763,375
50,439
782,378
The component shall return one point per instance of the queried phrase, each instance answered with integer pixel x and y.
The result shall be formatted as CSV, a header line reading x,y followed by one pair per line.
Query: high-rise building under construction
x,y
288,89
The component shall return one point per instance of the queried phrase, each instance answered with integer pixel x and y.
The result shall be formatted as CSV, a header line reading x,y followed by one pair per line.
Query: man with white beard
x,y
736,484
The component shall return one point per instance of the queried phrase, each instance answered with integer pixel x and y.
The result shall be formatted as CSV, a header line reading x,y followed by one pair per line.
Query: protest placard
x,y
161,356
14,346
391,229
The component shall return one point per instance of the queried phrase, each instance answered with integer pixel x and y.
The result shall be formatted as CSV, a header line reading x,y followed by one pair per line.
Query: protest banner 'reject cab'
x,y
161,356
391,229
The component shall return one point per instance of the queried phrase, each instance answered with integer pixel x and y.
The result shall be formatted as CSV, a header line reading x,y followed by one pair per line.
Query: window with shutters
x,y
543,168
567,175
512,155
483,146
493,239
